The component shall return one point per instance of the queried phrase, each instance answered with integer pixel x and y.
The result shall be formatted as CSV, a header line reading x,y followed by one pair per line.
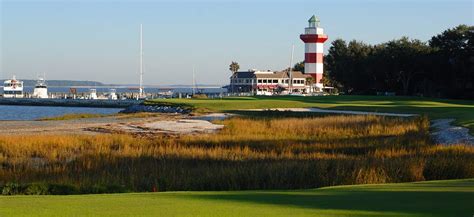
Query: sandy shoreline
x,y
162,123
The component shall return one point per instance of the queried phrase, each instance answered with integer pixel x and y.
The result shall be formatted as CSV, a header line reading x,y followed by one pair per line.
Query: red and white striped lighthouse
x,y
314,39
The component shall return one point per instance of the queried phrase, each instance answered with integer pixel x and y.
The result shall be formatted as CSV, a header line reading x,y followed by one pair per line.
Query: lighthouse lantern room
x,y
314,39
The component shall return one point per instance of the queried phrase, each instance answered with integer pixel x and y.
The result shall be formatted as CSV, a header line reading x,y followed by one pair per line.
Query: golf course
x,y
261,163
431,198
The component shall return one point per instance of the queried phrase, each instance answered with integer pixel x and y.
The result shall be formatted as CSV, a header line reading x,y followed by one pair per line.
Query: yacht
x,y
41,89
13,88
92,94
113,94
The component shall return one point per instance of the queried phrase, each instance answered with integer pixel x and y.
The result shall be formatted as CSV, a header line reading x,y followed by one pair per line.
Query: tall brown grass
x,y
248,153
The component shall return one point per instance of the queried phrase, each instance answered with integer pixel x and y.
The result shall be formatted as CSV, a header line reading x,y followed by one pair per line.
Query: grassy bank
x,y
434,198
88,115
461,110
249,153
72,117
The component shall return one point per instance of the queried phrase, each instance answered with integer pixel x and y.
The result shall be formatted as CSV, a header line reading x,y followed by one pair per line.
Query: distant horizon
x,y
124,84
98,40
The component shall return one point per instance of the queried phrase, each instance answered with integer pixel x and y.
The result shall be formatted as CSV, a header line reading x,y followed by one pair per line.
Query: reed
x,y
72,117
249,153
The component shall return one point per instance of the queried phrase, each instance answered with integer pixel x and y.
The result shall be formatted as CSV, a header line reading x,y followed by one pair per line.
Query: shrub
x,y
200,96
12,188
37,189
63,189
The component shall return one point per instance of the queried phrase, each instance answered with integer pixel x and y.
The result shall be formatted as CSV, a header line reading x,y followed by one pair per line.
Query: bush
x,y
12,188
199,96
37,189
63,189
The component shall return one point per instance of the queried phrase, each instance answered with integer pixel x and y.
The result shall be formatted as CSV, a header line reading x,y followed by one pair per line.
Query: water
x,y
101,89
11,112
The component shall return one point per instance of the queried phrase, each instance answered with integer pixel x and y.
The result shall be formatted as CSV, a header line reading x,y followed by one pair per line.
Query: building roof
x,y
243,74
281,74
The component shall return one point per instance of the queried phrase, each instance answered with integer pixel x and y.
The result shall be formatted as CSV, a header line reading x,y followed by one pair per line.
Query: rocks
x,y
156,108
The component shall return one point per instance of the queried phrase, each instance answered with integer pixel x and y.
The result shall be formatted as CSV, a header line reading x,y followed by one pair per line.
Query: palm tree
x,y
234,67
310,82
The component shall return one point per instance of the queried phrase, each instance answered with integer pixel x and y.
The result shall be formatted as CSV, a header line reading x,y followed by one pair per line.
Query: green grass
x,y
461,110
433,198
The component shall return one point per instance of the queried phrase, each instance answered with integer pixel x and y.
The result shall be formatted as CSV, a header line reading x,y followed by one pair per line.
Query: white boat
x,y
13,88
112,94
41,89
92,94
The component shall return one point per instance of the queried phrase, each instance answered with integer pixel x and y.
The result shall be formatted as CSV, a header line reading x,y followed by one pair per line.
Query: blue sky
x,y
98,40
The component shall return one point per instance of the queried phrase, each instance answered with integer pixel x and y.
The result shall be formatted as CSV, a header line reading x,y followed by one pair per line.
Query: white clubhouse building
x,y
270,83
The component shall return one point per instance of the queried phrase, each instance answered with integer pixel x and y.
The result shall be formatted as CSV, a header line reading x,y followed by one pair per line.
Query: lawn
x,y
461,110
433,198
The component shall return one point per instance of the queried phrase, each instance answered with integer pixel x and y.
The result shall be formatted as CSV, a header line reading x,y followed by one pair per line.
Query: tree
x,y
310,82
405,59
335,62
346,65
299,67
234,67
444,67
453,61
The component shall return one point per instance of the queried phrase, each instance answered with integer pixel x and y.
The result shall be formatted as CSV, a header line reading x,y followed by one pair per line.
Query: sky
x,y
99,40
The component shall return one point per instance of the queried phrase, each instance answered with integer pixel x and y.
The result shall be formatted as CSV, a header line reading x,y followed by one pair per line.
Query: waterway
x,y
11,112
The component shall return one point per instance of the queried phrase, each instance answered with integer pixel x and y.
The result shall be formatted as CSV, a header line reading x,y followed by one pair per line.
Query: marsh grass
x,y
249,153
72,117
89,115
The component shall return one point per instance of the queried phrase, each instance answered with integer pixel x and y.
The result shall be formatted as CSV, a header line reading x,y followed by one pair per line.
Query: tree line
x,y
440,67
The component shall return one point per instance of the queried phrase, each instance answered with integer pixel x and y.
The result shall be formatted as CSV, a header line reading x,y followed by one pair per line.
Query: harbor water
x,y
12,112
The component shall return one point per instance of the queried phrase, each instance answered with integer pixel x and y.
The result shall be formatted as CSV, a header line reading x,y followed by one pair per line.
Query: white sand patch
x,y
214,116
183,126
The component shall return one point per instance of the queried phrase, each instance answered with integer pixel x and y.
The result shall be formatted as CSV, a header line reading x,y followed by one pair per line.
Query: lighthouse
x,y
314,39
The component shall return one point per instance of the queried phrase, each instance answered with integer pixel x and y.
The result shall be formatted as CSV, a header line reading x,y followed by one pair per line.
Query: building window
x,y
275,81
259,80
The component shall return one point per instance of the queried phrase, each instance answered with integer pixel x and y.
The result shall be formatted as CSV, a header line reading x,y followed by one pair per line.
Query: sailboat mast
x,y
141,61
290,83
194,82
